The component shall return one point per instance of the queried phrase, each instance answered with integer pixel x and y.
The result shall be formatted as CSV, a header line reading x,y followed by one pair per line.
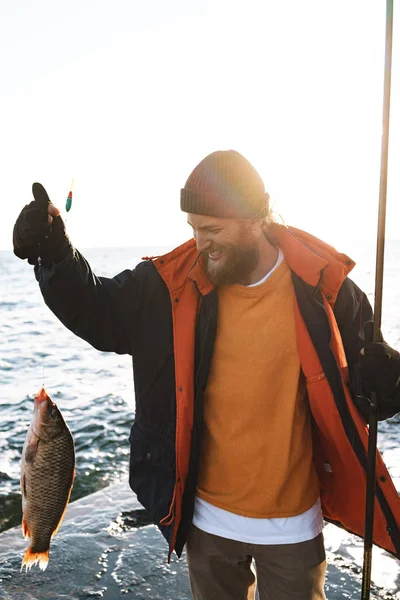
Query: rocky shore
x,y
107,549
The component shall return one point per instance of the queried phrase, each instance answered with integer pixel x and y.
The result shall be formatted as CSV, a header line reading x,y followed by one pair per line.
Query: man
x,y
246,345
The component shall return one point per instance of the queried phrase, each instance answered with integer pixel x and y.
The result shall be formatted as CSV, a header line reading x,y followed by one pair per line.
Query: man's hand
x,y
40,231
380,373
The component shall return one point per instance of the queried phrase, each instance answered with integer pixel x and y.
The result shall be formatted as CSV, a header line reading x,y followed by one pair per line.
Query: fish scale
x,y
49,499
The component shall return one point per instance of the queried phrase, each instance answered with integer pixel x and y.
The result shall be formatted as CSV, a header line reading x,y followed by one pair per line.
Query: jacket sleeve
x,y
352,310
103,311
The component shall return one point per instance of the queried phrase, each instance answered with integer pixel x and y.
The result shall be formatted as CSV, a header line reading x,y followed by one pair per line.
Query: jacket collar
x,y
313,260
310,258
182,263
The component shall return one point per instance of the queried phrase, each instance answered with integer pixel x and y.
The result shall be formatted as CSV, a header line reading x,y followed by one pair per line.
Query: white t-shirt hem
x,y
310,534
289,530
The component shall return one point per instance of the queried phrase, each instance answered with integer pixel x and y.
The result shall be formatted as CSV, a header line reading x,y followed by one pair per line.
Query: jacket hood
x,y
313,260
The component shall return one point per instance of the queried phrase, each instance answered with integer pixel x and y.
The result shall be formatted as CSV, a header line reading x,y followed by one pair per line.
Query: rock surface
x,y
107,549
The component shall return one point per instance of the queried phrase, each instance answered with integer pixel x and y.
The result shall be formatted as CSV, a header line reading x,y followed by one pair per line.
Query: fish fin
x,y
33,558
25,529
23,485
65,507
31,449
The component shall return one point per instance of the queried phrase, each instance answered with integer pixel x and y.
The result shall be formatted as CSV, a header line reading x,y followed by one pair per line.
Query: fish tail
x,y
33,558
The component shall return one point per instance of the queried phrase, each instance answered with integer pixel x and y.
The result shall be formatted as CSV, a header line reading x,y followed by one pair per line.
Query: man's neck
x,y
268,255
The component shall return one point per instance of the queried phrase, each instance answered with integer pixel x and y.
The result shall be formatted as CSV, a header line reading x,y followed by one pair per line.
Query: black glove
x,y
379,371
34,237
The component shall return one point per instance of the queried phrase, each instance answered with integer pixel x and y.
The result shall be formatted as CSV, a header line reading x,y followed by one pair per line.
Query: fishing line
x,y
68,206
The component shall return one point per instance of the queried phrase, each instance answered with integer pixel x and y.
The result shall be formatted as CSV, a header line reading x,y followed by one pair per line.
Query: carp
x,y
47,475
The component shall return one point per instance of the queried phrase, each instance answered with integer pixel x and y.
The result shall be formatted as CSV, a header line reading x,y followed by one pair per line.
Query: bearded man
x,y
251,388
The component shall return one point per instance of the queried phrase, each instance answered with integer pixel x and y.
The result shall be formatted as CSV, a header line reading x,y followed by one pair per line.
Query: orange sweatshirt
x,y
257,449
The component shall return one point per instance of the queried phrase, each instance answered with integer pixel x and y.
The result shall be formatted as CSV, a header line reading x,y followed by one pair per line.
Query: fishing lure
x,y
68,203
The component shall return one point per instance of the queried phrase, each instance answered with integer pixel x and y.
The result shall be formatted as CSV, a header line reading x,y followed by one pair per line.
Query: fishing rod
x,y
380,255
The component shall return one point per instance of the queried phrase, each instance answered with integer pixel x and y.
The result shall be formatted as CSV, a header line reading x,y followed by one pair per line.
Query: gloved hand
x,y
379,371
39,232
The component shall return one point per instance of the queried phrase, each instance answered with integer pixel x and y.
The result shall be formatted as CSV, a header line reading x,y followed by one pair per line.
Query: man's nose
x,y
202,242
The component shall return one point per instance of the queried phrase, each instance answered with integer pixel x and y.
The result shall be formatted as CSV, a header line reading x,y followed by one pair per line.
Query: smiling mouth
x,y
215,255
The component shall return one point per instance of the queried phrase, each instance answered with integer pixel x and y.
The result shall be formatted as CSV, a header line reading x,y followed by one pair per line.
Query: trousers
x,y
223,569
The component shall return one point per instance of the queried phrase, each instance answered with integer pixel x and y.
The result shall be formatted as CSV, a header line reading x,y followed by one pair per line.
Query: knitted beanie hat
x,y
225,184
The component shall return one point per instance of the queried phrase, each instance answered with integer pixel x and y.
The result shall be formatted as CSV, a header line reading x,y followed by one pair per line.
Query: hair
x,y
271,218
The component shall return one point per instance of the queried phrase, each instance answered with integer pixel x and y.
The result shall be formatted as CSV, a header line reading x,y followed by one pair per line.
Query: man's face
x,y
229,247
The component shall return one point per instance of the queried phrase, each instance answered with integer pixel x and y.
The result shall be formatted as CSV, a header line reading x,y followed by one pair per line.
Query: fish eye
x,y
53,413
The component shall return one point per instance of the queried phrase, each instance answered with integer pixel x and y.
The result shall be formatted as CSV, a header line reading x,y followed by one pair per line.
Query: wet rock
x,y
129,520
106,548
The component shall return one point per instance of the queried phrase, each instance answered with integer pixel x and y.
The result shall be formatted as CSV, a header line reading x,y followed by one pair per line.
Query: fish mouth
x,y
42,396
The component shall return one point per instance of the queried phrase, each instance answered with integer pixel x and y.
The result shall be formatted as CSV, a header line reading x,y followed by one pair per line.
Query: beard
x,y
235,264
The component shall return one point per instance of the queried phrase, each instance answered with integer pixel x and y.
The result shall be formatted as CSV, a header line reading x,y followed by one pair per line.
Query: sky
x,y
126,97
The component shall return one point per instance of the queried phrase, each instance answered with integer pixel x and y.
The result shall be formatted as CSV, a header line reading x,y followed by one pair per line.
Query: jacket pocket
x,y
151,473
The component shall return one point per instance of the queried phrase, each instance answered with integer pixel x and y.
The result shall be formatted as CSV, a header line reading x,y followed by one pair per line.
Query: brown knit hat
x,y
225,184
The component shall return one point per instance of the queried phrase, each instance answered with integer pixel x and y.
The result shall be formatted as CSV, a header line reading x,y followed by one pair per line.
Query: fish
x,y
47,476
